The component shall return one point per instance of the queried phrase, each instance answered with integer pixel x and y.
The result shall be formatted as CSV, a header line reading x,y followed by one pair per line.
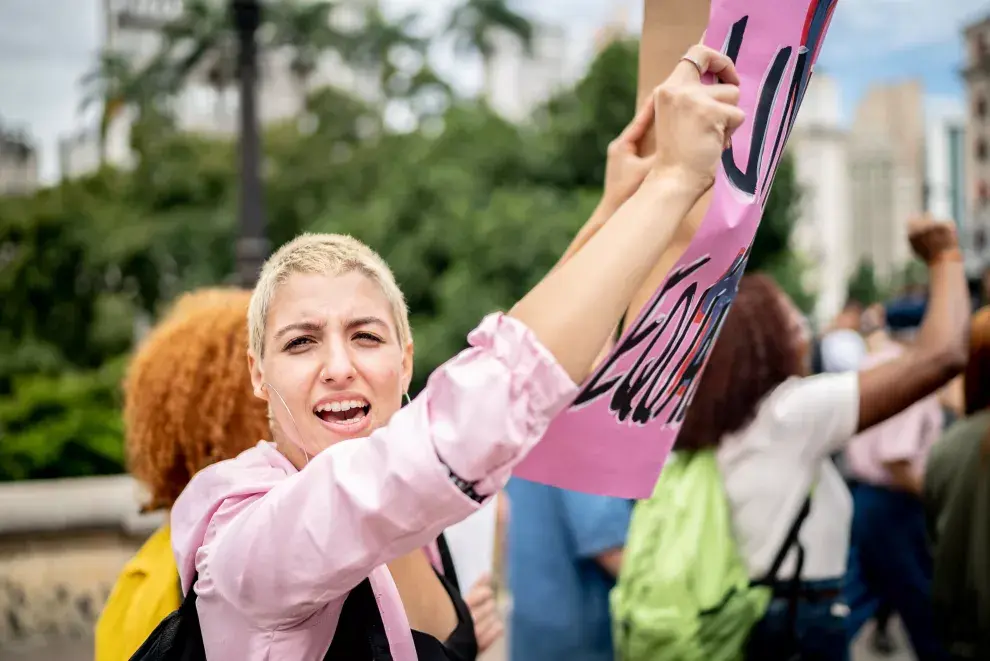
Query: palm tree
x,y
201,41
217,40
112,83
305,28
474,25
371,50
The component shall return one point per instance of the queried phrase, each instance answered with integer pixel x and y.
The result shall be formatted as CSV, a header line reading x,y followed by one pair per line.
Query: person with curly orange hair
x,y
188,403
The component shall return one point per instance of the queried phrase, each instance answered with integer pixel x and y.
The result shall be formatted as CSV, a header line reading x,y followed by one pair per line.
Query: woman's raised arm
x,y
573,309
939,352
278,547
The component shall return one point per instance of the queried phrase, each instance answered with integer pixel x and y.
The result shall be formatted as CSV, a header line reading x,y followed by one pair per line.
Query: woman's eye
x,y
297,343
368,337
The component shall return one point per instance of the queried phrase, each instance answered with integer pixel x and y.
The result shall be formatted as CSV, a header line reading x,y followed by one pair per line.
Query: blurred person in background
x,y
871,327
565,547
957,503
890,562
767,419
842,346
187,404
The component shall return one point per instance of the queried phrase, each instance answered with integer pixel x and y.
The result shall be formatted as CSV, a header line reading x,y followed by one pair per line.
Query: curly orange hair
x,y
188,400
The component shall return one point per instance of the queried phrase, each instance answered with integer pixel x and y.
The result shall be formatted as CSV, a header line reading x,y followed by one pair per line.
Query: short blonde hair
x,y
334,254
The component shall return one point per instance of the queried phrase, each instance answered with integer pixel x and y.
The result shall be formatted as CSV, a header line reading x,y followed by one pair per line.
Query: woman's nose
x,y
338,367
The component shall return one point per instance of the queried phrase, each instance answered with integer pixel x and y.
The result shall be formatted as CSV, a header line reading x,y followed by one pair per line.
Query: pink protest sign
x,y
616,436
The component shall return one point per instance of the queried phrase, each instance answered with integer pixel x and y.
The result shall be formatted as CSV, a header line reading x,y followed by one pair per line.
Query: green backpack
x,y
684,593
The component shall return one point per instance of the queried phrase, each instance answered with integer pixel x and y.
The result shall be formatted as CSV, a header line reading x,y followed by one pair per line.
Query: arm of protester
x,y
625,171
572,311
939,352
598,525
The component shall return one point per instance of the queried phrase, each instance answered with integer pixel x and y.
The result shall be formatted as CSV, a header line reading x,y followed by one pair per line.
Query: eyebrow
x,y
310,326
366,321
314,327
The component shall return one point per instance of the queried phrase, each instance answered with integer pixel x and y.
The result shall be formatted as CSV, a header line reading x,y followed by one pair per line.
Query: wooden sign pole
x,y
670,28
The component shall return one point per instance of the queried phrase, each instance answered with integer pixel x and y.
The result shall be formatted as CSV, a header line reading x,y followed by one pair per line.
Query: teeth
x,y
345,405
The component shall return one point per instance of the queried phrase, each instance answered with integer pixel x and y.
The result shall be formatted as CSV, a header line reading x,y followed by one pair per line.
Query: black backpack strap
x,y
794,584
449,571
789,542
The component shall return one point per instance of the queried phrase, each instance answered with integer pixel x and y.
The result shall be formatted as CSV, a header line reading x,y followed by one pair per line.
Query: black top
x,y
360,634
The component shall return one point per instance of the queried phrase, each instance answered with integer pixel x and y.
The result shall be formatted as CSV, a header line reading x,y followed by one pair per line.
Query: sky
x,y
46,46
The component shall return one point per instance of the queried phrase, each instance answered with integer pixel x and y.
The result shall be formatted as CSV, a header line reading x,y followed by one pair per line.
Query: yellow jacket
x,y
147,590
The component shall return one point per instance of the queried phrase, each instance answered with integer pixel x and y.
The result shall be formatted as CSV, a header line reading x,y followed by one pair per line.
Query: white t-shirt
x,y
769,469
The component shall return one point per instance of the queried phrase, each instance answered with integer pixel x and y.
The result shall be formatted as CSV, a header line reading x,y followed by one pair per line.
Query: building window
x,y
983,192
981,107
981,150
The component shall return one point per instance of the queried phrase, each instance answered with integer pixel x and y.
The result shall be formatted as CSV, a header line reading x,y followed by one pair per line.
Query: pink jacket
x,y
908,436
278,550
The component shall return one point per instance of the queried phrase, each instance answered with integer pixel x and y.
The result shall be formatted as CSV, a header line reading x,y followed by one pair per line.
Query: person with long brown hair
x,y
188,403
774,430
957,500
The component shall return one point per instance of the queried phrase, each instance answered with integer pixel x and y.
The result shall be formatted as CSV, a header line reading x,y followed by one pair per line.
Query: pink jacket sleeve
x,y
361,503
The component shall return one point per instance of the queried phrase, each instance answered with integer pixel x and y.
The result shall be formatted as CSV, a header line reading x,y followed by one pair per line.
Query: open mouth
x,y
344,412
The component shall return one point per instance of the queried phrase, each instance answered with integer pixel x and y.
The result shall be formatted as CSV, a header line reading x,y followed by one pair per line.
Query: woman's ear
x,y
257,377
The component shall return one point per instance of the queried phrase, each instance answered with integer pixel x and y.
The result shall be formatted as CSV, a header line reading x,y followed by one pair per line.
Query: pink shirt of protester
x,y
908,436
278,550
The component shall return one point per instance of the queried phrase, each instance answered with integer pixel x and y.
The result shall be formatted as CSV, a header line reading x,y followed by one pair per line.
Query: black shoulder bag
x,y
177,637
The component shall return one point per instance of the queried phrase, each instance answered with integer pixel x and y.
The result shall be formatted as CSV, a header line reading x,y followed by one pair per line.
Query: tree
x,y
381,44
112,84
910,278
475,24
305,29
468,217
772,252
863,285
578,124
200,41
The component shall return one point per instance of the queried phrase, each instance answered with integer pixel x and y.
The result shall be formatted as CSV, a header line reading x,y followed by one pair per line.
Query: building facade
x,y
976,73
888,173
946,167
819,146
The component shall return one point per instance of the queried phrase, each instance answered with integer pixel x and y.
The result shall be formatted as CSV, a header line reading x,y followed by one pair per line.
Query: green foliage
x,y
474,25
912,276
66,425
771,252
470,211
864,285
579,123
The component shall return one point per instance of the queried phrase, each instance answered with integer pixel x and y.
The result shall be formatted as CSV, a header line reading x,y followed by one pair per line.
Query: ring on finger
x,y
697,65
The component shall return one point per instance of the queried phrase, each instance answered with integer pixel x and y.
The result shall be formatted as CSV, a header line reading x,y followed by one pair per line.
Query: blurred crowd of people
x,y
897,522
